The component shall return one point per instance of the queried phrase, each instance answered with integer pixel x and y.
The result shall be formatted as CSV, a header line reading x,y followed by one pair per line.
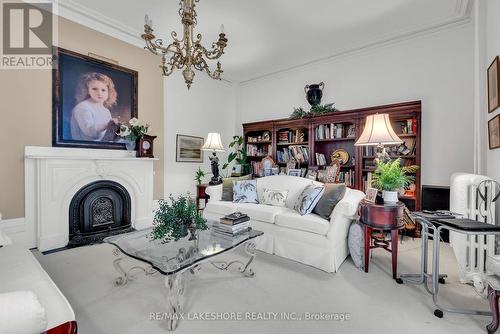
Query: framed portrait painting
x,y
188,149
494,132
90,98
494,85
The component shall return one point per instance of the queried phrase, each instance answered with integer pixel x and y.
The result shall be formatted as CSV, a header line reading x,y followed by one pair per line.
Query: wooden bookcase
x,y
268,138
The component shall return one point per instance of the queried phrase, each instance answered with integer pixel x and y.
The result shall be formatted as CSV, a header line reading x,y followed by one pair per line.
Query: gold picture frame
x,y
494,85
494,132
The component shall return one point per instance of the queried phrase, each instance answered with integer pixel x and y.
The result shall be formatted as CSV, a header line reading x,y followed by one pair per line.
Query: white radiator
x,y
472,196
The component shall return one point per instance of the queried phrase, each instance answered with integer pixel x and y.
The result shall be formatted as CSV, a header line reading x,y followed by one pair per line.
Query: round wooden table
x,y
376,217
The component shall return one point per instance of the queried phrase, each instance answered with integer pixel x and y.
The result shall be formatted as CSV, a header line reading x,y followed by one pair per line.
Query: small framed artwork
x,y
371,195
268,172
188,149
493,85
312,174
494,132
90,98
294,172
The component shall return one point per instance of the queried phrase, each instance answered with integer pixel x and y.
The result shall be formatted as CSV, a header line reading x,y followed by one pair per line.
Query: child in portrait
x,y
91,118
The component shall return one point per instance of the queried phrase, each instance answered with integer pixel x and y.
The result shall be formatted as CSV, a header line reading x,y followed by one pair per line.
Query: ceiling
x,y
269,36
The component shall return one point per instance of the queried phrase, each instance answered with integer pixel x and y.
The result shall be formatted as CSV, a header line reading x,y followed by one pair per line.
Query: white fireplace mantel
x,y
54,175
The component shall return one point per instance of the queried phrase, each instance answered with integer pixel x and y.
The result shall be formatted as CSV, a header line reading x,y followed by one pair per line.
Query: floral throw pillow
x,y
274,197
308,199
245,191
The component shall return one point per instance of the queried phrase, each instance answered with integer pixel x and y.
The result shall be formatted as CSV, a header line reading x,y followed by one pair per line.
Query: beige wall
x,y
26,108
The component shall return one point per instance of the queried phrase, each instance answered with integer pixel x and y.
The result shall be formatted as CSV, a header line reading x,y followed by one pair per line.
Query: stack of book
x,y
232,224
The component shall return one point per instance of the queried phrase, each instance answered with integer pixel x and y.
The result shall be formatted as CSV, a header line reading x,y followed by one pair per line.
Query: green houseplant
x,y
390,176
239,155
174,219
200,174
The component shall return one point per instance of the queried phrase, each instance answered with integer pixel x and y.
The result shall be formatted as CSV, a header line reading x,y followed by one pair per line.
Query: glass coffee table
x,y
175,259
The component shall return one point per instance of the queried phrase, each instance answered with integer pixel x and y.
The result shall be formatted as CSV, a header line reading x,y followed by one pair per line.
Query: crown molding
x,y
83,15
90,18
461,16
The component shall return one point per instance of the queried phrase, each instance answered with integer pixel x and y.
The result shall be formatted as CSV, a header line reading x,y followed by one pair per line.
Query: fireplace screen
x,y
98,210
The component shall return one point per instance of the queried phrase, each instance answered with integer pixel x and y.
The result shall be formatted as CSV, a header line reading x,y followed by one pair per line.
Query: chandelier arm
x,y
202,65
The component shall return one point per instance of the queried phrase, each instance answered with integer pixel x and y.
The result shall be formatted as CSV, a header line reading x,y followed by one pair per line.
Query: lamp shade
x,y
378,131
213,143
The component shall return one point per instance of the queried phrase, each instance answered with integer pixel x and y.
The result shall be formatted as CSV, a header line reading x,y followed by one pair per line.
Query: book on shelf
x,y
348,178
258,151
320,159
334,131
291,136
409,126
298,152
367,181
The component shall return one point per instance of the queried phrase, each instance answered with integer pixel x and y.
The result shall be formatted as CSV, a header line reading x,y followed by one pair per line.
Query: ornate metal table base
x,y
125,274
244,268
175,283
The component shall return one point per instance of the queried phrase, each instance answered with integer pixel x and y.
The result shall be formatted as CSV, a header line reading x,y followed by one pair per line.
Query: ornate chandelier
x,y
186,53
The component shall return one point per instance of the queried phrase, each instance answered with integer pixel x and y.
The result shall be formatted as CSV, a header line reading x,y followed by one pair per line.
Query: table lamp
x,y
378,132
214,144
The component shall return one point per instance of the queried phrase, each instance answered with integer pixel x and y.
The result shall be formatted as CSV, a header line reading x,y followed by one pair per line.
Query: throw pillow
x,y
356,244
308,199
245,191
274,197
334,192
227,186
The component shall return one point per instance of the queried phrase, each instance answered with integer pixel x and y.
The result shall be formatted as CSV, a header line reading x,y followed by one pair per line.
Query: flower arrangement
x,y
133,129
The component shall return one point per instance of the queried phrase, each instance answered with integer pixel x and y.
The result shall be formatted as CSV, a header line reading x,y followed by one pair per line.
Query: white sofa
x,y
29,299
308,239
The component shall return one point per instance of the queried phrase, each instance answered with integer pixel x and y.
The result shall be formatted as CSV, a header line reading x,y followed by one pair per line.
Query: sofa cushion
x,y
310,223
273,197
263,213
21,313
245,191
334,192
227,186
21,271
308,199
293,184
221,207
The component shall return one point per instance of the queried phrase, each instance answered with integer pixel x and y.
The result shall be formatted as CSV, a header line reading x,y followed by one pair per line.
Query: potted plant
x,y
132,131
200,174
390,176
173,220
239,155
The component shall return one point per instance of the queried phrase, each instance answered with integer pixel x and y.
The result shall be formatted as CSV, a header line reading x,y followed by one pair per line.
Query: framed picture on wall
x,y
494,132
90,98
188,149
494,85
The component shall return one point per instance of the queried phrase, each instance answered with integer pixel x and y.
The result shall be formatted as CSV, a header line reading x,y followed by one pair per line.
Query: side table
x,y
381,218
201,195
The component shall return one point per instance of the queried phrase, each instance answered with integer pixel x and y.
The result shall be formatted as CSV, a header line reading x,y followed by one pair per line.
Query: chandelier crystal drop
x,y
186,53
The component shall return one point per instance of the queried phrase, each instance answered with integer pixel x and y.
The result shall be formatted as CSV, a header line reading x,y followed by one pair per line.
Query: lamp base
x,y
381,154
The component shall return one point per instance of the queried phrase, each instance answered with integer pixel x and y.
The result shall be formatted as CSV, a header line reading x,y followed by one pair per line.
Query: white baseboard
x,y
18,231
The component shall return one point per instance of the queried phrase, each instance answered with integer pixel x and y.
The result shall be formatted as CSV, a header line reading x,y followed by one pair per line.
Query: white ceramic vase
x,y
390,196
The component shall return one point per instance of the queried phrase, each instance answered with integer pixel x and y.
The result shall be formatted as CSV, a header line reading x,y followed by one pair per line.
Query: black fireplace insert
x,y
98,210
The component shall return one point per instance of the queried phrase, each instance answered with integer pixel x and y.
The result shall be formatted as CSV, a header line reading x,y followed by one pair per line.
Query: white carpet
x,y
373,300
